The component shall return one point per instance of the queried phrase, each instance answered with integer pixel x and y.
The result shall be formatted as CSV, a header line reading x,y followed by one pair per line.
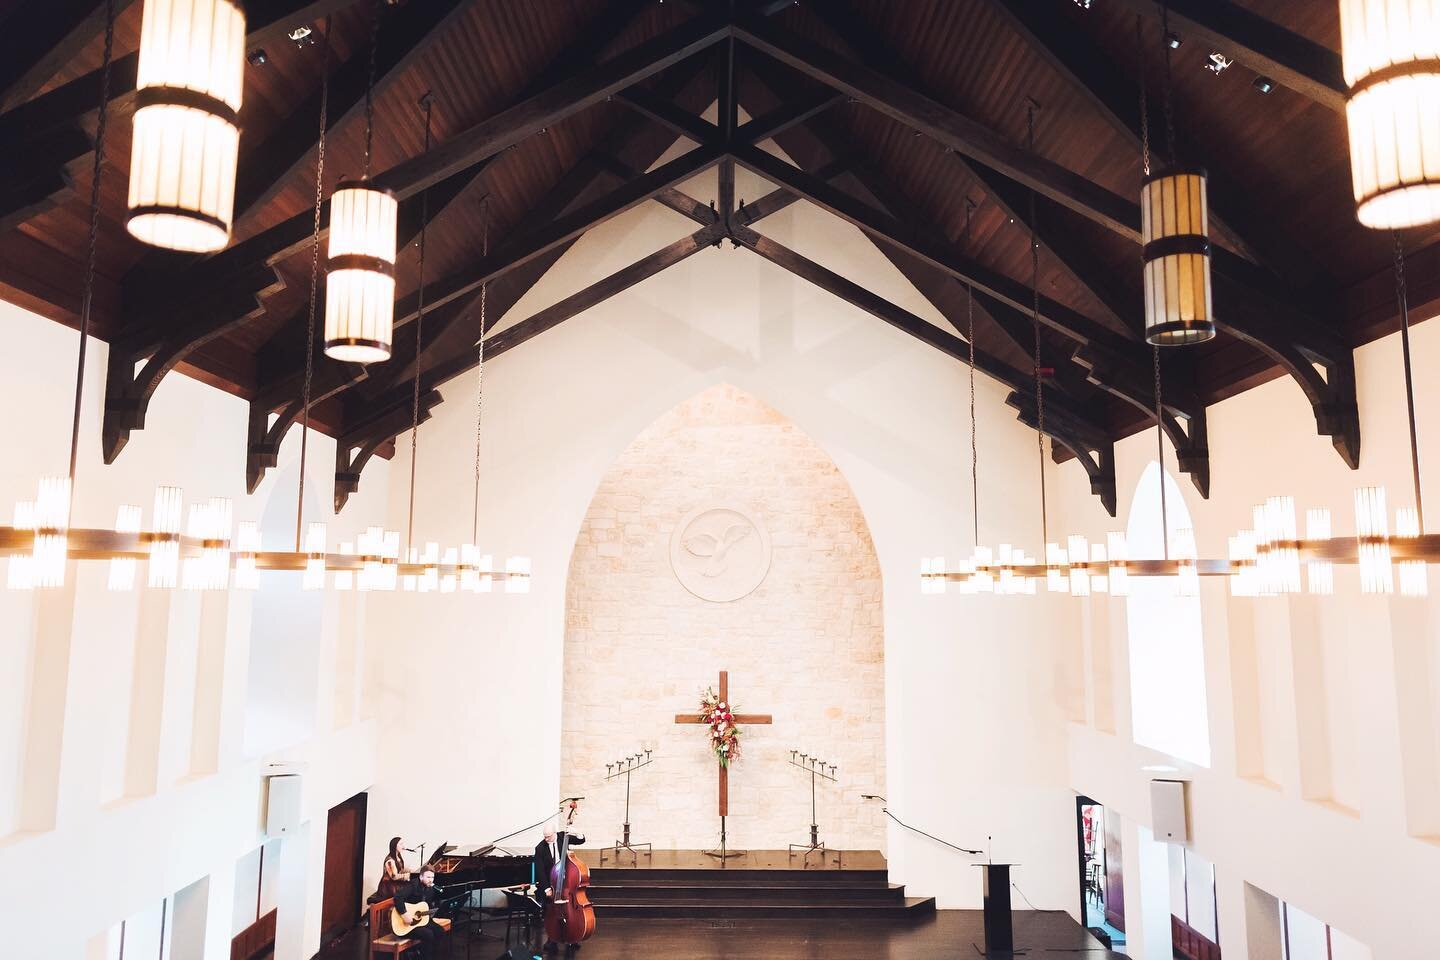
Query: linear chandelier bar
x,y
102,544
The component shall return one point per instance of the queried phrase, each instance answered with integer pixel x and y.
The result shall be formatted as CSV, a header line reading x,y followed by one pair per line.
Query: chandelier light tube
x,y
1414,581
247,545
517,575
315,542
19,575
1119,566
1319,574
123,569
1373,535
1390,52
185,137
1099,578
1078,552
360,273
164,565
1175,238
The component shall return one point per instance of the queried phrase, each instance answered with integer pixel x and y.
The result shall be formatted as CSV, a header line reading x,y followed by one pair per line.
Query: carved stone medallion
x,y
720,552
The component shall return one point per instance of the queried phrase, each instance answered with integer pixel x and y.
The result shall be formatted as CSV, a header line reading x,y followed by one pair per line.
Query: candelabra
x,y
624,767
816,768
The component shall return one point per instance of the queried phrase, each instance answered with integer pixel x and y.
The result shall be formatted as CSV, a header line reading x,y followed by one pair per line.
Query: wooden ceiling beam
x,y
1064,427
403,36
267,21
545,235
581,88
1115,98
337,379
355,449
38,39
47,135
680,122
168,329
901,102
1226,27
393,416
929,249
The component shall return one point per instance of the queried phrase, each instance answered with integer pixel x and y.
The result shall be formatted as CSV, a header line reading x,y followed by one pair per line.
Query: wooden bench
x,y
387,942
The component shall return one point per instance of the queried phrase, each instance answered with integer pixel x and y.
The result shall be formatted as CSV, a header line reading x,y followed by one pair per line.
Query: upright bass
x,y
570,918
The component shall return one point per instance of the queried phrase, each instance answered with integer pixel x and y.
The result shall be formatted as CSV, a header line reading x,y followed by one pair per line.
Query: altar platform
x,y
756,884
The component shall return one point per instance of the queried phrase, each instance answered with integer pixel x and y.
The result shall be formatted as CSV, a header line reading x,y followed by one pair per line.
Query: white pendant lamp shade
x,y
360,273
1175,232
1391,55
186,133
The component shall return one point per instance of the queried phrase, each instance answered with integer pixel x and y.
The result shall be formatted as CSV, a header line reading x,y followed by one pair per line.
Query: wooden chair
x,y
387,942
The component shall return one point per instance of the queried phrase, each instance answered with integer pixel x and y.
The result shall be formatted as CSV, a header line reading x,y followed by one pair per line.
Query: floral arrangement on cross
x,y
720,726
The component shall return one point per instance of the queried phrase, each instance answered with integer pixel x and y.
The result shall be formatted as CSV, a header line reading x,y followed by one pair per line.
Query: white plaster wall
x,y
974,733
1323,787
120,726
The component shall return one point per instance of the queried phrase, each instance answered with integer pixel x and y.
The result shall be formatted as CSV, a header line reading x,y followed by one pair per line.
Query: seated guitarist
x,y
420,892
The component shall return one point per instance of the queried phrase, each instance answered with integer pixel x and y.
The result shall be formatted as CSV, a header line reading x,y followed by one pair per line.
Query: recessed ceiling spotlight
x,y
1263,83
1173,41
1219,63
302,36
257,57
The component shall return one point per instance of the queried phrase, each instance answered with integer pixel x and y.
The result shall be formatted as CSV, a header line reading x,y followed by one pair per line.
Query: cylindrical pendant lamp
x,y
1391,57
1175,232
186,128
360,273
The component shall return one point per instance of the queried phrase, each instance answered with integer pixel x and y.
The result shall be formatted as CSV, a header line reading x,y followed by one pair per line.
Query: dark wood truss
x,y
854,92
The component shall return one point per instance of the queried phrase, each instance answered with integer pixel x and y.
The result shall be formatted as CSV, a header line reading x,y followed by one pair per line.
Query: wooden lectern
x,y
999,934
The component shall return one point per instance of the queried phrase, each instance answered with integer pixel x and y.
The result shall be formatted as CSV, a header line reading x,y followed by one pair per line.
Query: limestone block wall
x,y
806,645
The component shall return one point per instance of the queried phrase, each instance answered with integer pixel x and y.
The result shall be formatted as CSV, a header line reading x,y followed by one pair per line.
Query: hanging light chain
x,y
314,283
480,367
1160,450
970,335
87,302
1403,303
1035,316
370,83
1144,102
427,102
1166,94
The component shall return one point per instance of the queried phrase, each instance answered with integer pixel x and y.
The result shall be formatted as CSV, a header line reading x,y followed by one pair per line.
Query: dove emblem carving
x,y
716,550
720,553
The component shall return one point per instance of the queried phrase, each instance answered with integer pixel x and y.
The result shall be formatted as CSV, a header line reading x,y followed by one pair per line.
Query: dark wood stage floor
x,y
946,935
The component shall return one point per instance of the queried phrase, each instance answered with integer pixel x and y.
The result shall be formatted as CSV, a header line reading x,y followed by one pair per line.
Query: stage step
x,y
788,893
735,877
910,907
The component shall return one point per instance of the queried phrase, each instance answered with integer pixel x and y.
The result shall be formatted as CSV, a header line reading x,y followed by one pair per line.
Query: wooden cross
x,y
740,719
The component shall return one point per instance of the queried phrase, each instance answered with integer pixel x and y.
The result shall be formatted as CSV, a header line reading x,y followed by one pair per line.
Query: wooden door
x,y
344,867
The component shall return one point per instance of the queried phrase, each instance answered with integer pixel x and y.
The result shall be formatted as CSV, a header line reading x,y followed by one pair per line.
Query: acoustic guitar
x,y
418,914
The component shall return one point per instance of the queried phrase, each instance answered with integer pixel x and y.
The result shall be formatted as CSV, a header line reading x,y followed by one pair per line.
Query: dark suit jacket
x,y
544,863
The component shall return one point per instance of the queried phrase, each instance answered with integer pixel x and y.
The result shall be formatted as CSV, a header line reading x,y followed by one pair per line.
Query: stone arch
x,y
640,643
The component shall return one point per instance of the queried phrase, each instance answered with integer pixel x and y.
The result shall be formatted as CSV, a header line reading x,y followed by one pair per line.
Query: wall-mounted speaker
x,y
282,804
1167,811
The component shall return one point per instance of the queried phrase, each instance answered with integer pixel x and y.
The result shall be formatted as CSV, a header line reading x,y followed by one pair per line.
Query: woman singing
x,y
395,874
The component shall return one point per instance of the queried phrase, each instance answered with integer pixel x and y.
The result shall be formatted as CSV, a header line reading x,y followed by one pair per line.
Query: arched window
x,y
1167,650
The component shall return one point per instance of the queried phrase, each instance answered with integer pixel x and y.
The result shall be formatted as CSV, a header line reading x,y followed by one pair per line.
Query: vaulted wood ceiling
x,y
905,118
